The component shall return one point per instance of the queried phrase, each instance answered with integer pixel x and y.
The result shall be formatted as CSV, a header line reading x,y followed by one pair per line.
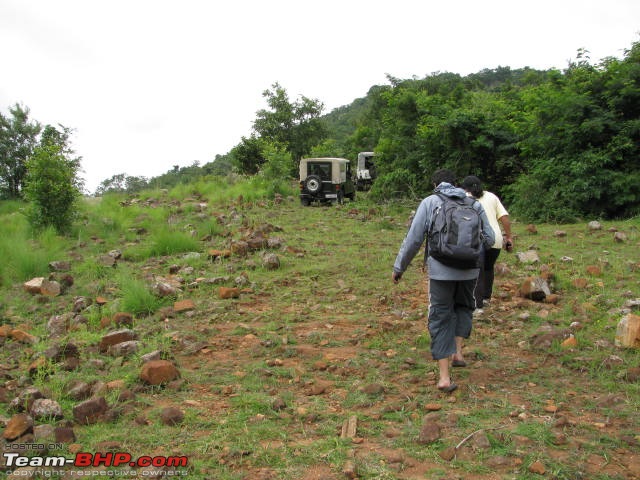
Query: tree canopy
x,y
556,145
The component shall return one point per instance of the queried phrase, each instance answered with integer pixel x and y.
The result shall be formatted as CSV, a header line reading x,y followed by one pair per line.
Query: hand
x,y
508,244
396,276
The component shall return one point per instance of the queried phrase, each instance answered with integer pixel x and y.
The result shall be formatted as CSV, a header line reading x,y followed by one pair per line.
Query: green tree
x,y
117,183
122,182
18,139
297,126
52,185
247,157
222,165
582,141
277,168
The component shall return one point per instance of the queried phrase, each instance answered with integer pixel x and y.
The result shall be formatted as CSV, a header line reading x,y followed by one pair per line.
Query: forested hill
x,y
558,145
555,145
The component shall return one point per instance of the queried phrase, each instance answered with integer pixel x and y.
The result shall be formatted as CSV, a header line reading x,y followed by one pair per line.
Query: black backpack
x,y
454,237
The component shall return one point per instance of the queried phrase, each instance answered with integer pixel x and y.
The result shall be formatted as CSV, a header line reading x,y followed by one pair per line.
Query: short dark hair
x,y
443,175
473,185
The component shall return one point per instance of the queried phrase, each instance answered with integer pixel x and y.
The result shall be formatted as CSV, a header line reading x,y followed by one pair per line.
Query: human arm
x,y
506,226
413,240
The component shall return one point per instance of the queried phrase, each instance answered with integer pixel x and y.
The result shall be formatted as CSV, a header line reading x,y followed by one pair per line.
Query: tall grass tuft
x,y
172,242
25,254
137,298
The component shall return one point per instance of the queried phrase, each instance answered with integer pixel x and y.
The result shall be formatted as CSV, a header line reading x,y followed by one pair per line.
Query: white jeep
x,y
365,171
325,180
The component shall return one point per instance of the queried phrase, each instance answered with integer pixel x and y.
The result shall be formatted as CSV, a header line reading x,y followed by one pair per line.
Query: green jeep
x,y
325,180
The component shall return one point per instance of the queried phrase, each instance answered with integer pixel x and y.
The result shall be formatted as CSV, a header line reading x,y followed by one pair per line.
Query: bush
x,y
51,188
396,184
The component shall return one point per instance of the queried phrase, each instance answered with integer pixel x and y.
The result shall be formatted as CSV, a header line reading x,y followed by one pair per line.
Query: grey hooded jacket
x,y
418,230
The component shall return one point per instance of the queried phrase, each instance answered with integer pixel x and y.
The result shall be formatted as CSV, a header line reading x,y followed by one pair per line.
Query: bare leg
x,y
445,379
458,355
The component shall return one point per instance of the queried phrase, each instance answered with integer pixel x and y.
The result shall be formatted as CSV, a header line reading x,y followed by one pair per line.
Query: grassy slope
x,y
327,336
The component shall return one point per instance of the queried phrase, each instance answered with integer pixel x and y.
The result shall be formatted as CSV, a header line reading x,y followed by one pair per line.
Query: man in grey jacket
x,y
451,300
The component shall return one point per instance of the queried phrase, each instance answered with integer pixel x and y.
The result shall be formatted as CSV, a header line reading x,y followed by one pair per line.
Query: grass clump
x,y
137,297
172,242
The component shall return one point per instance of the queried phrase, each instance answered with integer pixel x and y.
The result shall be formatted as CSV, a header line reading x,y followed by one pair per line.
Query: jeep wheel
x,y
314,183
305,202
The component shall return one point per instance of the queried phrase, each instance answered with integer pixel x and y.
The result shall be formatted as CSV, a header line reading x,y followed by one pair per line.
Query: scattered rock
x,y
164,289
619,237
349,427
228,292
81,303
530,256
373,389
23,337
448,454
50,288
481,441
535,288
57,325
278,404
580,283
159,372
594,225
319,387
628,332
33,286
552,299
240,248
171,416
59,266
594,270
113,338
124,349
214,254
633,375
270,261
183,306
60,352
80,391
429,433
537,467
107,261
148,357
90,411
569,342
64,435
17,426
45,408
545,340
123,320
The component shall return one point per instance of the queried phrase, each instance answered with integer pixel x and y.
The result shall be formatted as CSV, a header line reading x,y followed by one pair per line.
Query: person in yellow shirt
x,y
498,216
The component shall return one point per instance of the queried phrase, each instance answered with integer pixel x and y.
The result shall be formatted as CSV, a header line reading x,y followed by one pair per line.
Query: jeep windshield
x,y
321,169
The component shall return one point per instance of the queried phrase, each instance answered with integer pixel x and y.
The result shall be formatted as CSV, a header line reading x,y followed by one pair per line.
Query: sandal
x,y
449,388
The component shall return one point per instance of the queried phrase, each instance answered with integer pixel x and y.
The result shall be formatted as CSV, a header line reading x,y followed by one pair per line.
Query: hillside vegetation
x,y
225,324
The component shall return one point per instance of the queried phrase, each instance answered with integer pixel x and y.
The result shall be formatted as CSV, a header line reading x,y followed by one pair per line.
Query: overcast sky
x,y
148,84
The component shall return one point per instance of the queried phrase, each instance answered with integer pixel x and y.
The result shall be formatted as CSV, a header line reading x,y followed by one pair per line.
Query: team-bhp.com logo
x,y
84,460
